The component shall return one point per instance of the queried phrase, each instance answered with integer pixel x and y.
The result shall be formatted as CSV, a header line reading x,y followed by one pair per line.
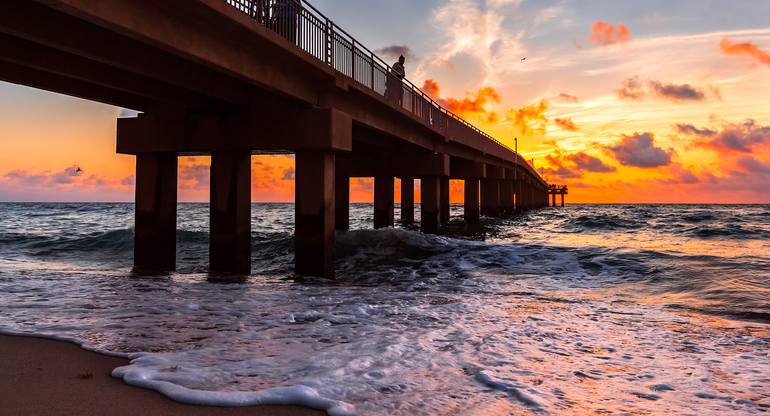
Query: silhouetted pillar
x,y
407,200
553,199
472,201
444,200
562,200
342,203
519,195
506,196
230,212
383,201
155,216
314,213
490,197
429,204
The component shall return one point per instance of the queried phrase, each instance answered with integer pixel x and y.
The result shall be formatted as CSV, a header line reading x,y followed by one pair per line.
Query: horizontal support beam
x,y
467,169
410,166
314,129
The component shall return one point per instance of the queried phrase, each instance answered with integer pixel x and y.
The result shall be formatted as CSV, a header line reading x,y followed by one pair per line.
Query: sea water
x,y
636,309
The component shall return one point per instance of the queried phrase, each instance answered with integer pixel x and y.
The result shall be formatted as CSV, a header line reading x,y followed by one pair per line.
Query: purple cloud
x,y
639,150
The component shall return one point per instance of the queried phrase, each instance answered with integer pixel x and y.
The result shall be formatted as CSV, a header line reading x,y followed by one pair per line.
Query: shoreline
x,y
45,376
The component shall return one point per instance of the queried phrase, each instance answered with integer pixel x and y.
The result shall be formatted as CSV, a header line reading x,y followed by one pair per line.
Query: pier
x,y
234,78
554,190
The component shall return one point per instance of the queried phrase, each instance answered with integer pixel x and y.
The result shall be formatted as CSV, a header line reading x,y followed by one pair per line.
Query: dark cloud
x,y
589,163
394,51
567,98
631,89
639,150
690,130
566,124
196,176
288,174
743,137
574,165
682,176
683,92
24,178
752,165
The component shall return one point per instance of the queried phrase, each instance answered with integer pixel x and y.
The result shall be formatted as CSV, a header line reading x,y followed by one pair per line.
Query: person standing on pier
x,y
394,91
285,15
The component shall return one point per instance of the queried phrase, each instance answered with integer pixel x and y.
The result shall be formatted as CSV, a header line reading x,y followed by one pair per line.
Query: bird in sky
x,y
524,58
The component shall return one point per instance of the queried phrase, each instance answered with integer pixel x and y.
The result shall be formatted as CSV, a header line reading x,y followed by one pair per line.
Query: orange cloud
x,y
733,48
469,106
603,33
566,124
530,118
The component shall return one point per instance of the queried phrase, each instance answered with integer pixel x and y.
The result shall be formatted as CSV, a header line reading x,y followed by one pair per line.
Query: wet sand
x,y
46,377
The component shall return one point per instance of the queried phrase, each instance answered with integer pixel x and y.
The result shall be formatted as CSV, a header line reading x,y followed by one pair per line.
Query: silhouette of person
x,y
394,91
285,13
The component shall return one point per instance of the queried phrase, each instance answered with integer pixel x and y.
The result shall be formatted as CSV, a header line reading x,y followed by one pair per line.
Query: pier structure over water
x,y
554,190
234,78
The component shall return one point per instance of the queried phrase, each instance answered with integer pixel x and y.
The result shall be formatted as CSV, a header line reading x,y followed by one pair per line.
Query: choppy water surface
x,y
587,309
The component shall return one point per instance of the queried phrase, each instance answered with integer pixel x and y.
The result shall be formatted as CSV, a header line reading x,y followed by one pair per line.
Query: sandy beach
x,y
46,377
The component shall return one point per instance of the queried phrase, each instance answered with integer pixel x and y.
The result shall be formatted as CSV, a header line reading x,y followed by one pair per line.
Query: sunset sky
x,y
624,101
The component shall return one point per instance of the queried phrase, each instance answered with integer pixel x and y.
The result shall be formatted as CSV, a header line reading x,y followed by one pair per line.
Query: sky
x,y
623,101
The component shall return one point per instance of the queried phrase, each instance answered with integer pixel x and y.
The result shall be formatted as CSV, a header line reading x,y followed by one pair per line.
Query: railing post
x,y
411,87
371,57
329,43
353,59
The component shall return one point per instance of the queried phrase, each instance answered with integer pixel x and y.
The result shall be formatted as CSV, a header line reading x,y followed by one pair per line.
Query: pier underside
x,y
245,89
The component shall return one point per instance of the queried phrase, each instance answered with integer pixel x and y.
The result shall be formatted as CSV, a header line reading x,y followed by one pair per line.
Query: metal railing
x,y
301,23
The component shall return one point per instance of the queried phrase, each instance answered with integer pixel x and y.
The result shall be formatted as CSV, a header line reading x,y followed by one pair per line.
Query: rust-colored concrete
x,y
444,200
506,197
471,201
230,212
467,169
314,213
383,201
429,204
155,218
342,203
490,197
407,200
285,128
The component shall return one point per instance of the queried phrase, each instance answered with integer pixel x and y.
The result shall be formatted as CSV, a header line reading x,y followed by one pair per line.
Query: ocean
x,y
635,309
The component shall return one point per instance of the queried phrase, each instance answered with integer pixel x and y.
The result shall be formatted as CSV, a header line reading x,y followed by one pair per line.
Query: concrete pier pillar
x,y
342,203
314,213
444,211
530,196
383,201
553,200
407,200
472,201
155,217
230,212
429,204
562,200
490,197
444,200
506,196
